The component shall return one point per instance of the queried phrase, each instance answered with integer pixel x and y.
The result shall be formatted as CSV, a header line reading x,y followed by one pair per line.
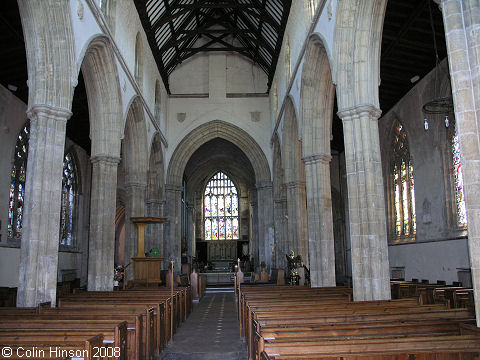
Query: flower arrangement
x,y
118,273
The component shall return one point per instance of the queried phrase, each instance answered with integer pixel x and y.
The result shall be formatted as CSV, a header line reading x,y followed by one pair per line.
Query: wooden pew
x,y
53,347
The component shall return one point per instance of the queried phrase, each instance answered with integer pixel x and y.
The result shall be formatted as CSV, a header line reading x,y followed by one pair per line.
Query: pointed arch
x,y
291,146
104,97
156,170
207,132
317,96
135,144
357,39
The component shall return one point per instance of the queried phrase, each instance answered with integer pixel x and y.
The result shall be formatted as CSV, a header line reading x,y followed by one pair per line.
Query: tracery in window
x,y
458,180
221,209
17,185
69,196
403,185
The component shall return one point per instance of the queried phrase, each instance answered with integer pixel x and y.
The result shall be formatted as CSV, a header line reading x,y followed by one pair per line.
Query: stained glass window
x,y
69,195
403,185
458,179
221,209
17,185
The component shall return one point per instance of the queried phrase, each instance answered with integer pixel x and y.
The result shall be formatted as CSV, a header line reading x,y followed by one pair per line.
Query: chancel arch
x,y
259,180
295,184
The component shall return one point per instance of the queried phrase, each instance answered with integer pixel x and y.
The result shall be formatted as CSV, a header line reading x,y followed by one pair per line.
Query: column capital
x,y
294,184
155,202
264,185
58,113
317,158
359,110
174,188
136,184
103,158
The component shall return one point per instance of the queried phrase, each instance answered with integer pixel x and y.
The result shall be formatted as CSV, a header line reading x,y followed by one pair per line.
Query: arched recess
x,y
295,184
174,184
138,69
135,170
155,194
105,113
280,212
317,99
358,36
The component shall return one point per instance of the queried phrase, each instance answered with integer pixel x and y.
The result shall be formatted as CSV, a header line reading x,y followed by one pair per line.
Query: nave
x,y
211,332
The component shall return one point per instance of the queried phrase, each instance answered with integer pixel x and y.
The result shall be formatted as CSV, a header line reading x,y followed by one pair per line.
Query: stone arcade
x,y
291,101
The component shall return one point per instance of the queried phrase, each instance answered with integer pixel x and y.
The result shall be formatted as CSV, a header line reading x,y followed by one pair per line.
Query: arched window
x,y
275,100
17,185
221,209
69,200
288,66
403,186
457,172
138,60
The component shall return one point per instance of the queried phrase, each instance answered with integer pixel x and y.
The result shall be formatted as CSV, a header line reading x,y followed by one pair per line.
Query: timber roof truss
x,y
179,29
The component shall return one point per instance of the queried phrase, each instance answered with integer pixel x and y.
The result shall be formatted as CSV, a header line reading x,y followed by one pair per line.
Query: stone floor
x,y
211,332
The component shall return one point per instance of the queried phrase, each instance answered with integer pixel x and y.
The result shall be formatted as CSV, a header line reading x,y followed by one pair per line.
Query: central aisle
x,y
211,332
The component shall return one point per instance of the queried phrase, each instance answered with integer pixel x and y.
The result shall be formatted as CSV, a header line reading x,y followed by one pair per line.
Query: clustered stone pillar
x,y
254,228
281,231
40,238
173,194
265,222
370,267
154,232
462,29
135,207
101,251
297,220
320,220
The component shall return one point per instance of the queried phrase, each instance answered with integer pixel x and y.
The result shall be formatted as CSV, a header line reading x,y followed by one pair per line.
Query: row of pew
x,y
285,322
122,325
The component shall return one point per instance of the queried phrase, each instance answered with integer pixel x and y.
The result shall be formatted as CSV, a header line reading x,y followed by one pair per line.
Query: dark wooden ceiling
x,y
179,29
408,47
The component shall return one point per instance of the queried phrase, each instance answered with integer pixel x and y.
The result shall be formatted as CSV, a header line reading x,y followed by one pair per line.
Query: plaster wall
x,y
439,247
437,260
9,264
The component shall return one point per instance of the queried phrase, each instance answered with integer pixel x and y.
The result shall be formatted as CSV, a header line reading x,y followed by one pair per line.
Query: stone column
x,y
279,212
321,242
101,251
135,206
173,194
190,229
40,238
461,19
254,228
265,222
297,220
154,232
366,203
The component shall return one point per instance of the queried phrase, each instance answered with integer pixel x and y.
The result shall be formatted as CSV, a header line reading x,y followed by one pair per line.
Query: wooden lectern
x,y
147,269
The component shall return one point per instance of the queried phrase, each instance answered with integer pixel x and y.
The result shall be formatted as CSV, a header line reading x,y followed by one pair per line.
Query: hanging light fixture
x,y
441,106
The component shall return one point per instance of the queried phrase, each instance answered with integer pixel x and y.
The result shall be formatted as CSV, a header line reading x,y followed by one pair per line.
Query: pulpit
x,y
146,269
